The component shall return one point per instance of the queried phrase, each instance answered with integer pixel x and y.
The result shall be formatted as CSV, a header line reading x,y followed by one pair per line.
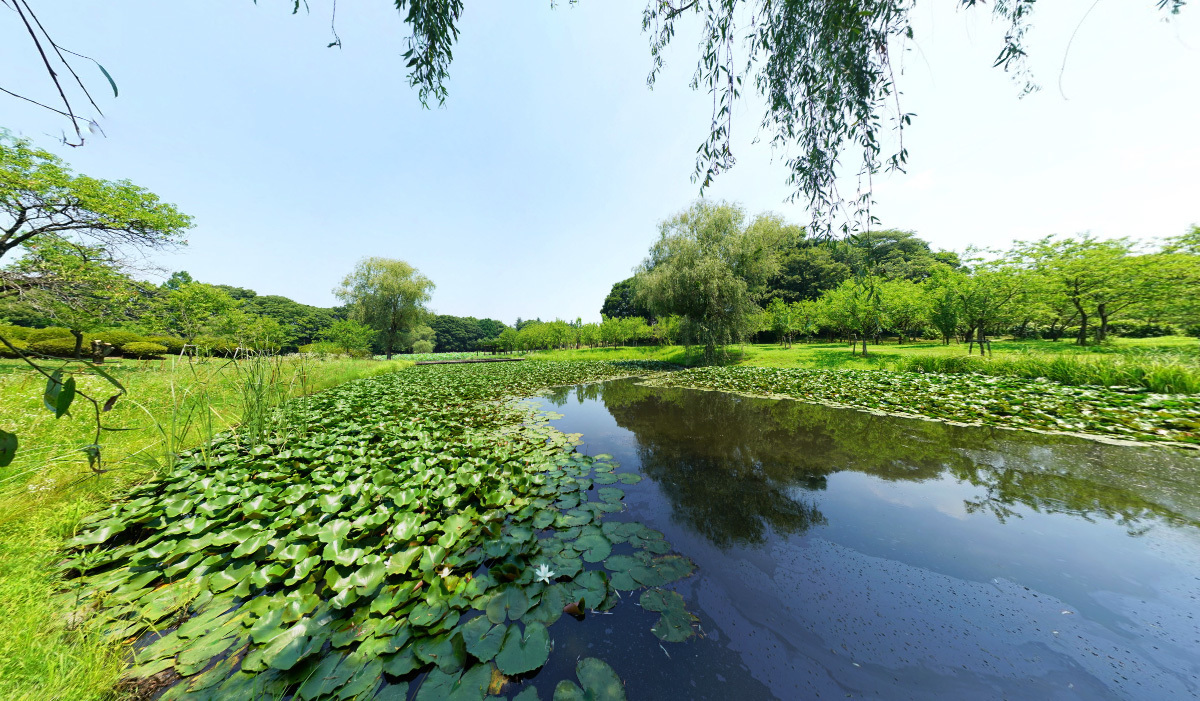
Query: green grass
x,y
48,489
1169,365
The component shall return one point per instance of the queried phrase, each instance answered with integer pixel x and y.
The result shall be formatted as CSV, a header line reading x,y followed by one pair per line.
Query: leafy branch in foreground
x,y
73,229
59,395
823,66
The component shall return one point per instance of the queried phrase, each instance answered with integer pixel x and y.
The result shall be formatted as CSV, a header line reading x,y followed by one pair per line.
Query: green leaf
x,y
8,448
470,686
508,603
675,624
600,683
523,653
593,547
482,638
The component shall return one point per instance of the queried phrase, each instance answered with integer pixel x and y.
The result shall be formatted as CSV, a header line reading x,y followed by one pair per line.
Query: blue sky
x,y
542,180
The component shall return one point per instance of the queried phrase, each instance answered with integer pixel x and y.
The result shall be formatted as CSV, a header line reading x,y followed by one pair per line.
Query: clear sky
x,y
542,180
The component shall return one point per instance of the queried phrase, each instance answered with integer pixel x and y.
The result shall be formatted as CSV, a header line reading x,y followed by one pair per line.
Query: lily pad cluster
x,y
419,530
999,401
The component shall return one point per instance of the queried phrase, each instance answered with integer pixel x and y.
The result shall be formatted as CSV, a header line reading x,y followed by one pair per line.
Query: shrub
x,y
15,332
143,349
174,345
1193,330
57,347
48,333
320,348
18,343
422,347
1131,330
117,337
214,346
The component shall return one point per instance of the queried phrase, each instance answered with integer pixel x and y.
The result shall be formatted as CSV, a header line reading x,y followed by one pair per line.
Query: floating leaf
x,y
470,686
510,603
482,638
675,624
600,683
593,547
523,653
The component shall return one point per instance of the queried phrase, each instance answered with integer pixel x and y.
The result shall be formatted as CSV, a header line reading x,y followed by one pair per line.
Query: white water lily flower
x,y
445,572
543,573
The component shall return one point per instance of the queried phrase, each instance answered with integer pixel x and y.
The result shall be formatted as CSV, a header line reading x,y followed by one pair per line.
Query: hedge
x,y
58,347
48,333
142,349
18,343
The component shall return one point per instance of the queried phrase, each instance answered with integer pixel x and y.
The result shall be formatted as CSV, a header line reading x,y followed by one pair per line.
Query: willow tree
x,y
822,67
710,267
388,295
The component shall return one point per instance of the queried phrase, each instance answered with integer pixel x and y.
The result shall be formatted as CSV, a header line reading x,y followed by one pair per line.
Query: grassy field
x,y
1168,364
48,488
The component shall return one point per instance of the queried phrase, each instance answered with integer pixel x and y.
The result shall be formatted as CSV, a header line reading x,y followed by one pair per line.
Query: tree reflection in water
x,y
734,467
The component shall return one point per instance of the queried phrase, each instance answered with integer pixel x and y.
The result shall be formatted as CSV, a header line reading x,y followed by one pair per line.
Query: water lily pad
x,y
599,683
611,494
509,603
472,685
523,653
593,547
482,638
675,623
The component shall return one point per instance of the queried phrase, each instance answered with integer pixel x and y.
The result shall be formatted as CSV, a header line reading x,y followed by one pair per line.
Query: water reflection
x,y
841,553
733,466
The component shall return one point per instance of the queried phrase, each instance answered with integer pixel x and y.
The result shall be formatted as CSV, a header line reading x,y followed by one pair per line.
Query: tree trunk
x,y
981,337
864,345
1102,332
78,343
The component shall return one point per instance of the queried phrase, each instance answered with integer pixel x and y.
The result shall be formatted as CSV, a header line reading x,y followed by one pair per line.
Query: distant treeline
x,y
216,319
891,283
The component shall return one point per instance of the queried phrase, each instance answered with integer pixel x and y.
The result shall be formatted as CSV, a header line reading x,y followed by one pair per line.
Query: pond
x,y
844,554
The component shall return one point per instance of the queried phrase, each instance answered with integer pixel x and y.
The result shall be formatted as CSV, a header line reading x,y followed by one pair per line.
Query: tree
x,y
388,295
984,297
709,267
40,196
622,302
822,67
187,310
349,337
1098,277
907,306
857,305
79,287
418,337
944,310
781,314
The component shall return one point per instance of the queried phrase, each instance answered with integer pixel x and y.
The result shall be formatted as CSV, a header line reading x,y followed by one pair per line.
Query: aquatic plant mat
x,y
413,535
1119,413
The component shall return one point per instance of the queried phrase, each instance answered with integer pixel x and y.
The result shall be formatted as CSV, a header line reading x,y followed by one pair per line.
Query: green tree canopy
x,y
40,196
80,287
388,295
622,302
823,68
709,266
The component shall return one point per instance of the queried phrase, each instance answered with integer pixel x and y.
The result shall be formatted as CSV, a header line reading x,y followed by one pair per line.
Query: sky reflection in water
x,y
847,554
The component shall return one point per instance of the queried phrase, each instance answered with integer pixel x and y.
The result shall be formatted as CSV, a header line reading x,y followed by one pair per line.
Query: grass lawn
x,y
171,404
839,355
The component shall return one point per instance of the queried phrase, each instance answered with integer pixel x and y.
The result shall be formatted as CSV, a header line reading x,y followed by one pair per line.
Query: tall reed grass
x,y
1164,372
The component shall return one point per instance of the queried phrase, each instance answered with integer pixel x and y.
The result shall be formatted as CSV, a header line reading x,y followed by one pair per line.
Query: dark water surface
x,y
842,554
